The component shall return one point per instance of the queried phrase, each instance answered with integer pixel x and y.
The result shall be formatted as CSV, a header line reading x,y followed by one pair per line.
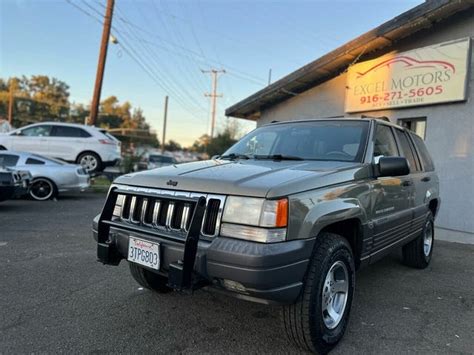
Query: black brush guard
x,y
180,274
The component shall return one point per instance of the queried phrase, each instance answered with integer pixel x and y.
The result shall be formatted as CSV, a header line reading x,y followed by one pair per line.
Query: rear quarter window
x,y
33,161
425,156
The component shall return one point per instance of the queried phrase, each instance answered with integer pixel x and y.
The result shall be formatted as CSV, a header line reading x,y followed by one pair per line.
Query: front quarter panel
x,y
311,211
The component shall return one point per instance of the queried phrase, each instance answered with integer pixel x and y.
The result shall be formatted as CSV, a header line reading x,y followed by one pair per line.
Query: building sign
x,y
422,76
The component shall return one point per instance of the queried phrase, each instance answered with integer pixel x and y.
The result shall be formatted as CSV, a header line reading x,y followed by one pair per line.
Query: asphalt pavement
x,y
55,297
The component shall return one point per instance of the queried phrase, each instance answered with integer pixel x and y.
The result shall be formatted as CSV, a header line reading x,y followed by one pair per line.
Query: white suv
x,y
89,146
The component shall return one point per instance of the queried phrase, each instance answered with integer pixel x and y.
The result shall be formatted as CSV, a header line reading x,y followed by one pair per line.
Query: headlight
x,y
255,219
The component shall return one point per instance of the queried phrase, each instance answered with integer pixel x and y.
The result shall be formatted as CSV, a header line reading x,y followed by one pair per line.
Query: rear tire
x,y
318,320
148,279
418,252
90,161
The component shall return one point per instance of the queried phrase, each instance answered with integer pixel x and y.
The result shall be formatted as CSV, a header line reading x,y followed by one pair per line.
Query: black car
x,y
13,183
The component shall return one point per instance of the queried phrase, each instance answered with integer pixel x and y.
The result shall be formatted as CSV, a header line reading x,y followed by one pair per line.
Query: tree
x,y
53,92
220,143
200,144
172,146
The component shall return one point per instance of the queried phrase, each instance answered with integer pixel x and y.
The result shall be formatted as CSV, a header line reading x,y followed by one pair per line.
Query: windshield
x,y
314,140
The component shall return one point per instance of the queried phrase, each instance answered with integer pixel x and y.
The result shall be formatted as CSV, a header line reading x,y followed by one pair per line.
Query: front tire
x,y
148,279
318,320
418,252
42,189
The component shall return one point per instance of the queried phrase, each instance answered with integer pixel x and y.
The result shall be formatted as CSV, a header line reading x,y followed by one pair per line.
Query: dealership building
x,y
417,71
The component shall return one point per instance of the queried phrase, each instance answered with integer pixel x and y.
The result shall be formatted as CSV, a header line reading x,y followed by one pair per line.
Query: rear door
x,y
32,139
392,213
66,141
425,180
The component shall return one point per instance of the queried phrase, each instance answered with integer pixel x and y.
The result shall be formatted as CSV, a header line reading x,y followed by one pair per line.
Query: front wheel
x,y
42,189
318,320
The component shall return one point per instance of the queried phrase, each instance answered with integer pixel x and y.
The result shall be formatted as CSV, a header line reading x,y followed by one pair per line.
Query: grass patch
x,y
100,184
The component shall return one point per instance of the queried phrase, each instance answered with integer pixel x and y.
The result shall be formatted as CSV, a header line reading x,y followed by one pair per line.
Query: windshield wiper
x,y
233,156
278,157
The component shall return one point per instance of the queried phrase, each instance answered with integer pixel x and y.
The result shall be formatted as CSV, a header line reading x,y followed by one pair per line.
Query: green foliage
x,y
220,143
172,146
41,98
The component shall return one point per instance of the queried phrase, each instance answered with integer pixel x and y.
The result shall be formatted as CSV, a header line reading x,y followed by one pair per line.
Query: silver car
x,y
50,176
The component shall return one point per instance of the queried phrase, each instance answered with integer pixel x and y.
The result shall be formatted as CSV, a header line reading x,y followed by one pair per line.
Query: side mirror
x,y
392,166
217,156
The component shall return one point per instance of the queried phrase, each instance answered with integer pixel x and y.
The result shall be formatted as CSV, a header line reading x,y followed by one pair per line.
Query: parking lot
x,y
55,297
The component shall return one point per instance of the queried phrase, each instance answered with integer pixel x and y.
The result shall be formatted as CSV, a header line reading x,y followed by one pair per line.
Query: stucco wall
x,y
449,130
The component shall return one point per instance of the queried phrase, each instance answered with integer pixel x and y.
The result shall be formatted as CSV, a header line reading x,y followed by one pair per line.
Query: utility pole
x,y
213,95
164,126
10,103
270,76
101,65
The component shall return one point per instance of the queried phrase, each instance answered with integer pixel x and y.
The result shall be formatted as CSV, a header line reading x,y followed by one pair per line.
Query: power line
x,y
152,55
134,56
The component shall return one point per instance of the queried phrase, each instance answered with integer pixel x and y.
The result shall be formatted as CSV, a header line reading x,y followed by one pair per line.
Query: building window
x,y
417,125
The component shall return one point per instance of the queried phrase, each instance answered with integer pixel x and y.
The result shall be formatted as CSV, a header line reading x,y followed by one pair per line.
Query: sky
x,y
163,45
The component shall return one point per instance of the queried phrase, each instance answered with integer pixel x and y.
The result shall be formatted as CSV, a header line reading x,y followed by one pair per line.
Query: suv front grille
x,y
163,209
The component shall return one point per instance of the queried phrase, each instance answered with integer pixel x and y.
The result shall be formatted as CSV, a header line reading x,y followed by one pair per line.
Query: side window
x,y
8,159
384,144
37,131
407,151
425,156
33,161
64,131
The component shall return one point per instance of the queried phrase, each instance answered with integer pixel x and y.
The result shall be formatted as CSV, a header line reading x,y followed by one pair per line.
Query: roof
x,y
333,63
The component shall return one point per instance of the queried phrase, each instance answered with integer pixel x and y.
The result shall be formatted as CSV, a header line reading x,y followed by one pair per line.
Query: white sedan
x,y
50,176
89,146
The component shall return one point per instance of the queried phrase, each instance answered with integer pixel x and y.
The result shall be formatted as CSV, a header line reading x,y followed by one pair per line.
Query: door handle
x,y
426,179
407,183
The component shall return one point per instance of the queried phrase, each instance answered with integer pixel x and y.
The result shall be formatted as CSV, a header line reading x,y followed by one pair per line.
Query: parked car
x,y
92,148
12,183
286,215
49,176
153,161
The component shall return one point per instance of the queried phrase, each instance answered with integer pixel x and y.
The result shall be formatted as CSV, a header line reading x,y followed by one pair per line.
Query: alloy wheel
x,y
335,294
89,162
428,239
41,190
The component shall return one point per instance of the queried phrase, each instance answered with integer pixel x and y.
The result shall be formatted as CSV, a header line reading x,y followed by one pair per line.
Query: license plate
x,y
144,253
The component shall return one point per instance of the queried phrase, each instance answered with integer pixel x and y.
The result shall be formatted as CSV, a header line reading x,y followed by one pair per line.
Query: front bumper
x,y
268,273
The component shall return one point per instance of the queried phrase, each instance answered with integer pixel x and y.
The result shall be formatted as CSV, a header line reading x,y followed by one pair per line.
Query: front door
x,y
392,196
32,139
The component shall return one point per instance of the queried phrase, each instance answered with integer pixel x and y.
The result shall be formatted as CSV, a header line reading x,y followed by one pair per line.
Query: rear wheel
x,y
42,189
148,279
90,161
418,252
318,320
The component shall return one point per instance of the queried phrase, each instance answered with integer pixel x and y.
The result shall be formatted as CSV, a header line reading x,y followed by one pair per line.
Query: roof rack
x,y
383,118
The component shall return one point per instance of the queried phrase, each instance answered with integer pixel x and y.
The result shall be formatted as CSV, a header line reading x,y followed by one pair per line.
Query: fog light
x,y
233,286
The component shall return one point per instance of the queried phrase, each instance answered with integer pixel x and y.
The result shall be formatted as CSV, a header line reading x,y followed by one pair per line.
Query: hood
x,y
259,178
